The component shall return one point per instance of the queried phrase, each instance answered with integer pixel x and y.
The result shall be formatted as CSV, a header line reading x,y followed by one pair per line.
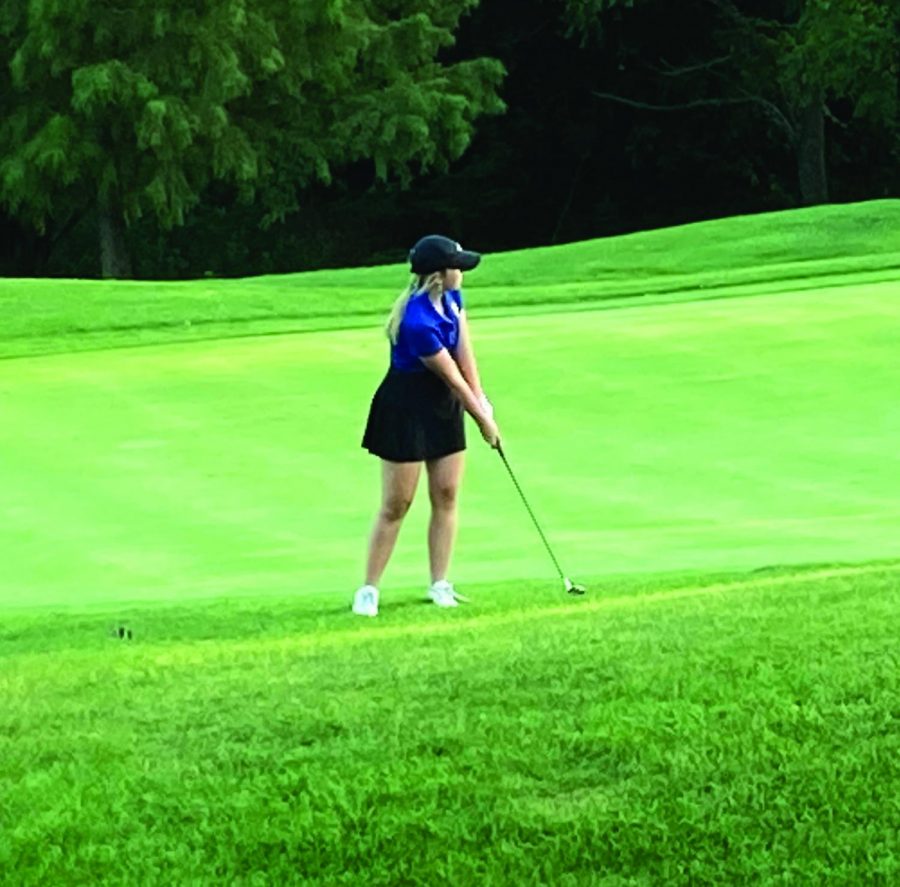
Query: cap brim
x,y
466,260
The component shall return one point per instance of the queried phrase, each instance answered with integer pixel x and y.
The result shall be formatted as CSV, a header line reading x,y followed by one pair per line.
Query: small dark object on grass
x,y
124,633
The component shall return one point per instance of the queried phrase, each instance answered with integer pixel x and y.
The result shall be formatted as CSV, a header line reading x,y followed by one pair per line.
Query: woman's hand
x,y
490,432
445,366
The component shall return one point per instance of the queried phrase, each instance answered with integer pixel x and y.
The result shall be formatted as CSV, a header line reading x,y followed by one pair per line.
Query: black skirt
x,y
414,417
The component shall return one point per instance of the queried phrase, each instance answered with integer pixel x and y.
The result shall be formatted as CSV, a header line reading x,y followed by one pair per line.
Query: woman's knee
x,y
443,496
395,508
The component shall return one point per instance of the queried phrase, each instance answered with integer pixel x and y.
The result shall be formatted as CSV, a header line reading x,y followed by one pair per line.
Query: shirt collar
x,y
447,315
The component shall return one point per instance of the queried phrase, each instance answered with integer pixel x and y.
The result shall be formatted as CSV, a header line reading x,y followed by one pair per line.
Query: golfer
x,y
416,414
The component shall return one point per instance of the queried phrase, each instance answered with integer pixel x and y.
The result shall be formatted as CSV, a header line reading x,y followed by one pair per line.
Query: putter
x,y
570,586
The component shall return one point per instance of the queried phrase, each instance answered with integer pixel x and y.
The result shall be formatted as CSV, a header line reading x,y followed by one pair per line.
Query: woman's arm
x,y
446,367
465,357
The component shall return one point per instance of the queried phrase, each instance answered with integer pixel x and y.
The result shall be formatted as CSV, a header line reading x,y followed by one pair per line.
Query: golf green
x,y
697,435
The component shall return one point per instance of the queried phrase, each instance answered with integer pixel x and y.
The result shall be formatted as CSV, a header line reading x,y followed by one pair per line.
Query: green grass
x,y
716,460
818,246
699,435
728,729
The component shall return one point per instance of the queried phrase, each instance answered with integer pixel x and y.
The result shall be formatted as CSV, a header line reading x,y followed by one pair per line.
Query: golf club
x,y
570,586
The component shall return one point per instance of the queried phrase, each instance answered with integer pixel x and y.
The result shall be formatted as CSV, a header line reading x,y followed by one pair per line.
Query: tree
x,y
792,62
130,110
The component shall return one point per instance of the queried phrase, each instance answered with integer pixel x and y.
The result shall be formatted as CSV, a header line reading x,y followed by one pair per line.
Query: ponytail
x,y
392,327
418,283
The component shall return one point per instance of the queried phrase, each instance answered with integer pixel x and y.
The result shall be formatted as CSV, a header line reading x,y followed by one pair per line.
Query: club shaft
x,y
530,512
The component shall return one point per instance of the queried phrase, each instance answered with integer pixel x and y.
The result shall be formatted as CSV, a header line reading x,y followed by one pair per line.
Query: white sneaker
x,y
365,601
444,594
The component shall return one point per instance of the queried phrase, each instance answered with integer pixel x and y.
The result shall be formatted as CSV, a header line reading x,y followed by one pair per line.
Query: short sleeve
x,y
456,297
423,340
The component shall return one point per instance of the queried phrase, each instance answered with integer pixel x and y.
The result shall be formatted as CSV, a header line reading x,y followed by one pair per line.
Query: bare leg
x,y
398,486
444,476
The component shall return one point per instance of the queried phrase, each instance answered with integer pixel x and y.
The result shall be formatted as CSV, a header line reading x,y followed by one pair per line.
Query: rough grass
x,y
677,730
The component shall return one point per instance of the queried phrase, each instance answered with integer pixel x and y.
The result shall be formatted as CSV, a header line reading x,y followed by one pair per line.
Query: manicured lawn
x,y
698,435
706,422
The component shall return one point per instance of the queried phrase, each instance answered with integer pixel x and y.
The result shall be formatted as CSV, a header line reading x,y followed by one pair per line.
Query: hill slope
x,y
810,247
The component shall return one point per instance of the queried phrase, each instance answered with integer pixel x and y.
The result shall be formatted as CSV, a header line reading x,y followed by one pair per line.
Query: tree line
x,y
227,137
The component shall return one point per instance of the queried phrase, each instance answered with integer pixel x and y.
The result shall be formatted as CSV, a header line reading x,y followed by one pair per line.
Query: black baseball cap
x,y
434,253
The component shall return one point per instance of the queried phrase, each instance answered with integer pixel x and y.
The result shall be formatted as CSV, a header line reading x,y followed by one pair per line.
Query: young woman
x,y
416,414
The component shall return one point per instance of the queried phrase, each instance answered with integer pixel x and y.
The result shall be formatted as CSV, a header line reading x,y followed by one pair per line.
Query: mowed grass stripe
x,y
466,620
562,299
351,630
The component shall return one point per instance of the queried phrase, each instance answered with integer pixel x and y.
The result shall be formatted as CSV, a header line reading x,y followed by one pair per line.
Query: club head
x,y
572,588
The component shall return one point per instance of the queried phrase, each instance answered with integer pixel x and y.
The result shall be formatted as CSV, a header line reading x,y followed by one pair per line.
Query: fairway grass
x,y
731,434
671,730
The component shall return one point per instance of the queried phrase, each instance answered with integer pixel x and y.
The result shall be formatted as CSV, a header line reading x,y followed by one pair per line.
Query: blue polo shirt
x,y
423,331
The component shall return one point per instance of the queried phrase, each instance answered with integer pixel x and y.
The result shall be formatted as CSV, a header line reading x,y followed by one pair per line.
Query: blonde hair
x,y
419,282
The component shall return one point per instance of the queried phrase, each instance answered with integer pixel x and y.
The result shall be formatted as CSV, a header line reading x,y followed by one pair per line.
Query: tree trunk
x,y
811,153
114,258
